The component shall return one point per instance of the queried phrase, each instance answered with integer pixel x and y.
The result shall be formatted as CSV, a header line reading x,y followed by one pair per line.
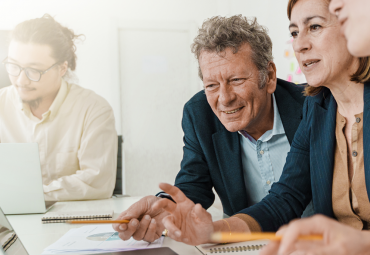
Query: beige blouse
x,y
351,204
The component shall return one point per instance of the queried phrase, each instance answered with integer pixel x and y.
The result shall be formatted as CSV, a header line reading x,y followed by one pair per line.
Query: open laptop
x,y
21,190
10,244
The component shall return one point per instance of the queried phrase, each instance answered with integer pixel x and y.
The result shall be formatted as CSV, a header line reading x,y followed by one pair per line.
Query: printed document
x,y
96,239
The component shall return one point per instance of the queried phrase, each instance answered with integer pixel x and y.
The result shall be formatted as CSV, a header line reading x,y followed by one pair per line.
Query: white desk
x,y
37,236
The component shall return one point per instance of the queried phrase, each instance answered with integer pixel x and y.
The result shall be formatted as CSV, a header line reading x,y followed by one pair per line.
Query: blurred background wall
x,y
137,56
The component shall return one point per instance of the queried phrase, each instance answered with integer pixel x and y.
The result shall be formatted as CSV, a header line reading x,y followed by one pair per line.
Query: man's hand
x,y
145,222
188,223
339,239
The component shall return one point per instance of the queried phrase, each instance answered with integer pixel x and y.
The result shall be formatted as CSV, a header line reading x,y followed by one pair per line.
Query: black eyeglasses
x,y
31,73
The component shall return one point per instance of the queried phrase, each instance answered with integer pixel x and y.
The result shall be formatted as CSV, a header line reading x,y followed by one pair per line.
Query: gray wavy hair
x,y
219,33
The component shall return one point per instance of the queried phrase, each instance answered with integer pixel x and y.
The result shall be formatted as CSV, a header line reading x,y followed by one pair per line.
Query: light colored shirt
x,y
76,137
263,160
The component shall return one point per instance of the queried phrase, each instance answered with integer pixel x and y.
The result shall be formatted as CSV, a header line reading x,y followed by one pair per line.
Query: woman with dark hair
x,y
328,161
73,126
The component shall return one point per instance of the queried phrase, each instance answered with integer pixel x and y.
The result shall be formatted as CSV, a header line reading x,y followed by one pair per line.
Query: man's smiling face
x,y
232,85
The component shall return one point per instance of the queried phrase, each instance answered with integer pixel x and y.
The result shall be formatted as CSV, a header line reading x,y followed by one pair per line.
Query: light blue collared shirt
x,y
263,160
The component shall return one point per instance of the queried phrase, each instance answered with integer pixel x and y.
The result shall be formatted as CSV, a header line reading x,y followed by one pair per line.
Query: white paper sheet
x,y
96,239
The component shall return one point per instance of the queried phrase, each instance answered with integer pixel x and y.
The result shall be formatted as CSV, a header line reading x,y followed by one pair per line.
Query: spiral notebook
x,y
60,217
247,248
7,238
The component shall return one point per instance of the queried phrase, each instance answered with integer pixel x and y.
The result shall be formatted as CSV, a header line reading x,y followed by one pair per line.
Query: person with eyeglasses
x,y
73,126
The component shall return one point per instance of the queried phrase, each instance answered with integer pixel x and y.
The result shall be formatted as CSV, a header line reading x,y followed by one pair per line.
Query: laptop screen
x,y
9,241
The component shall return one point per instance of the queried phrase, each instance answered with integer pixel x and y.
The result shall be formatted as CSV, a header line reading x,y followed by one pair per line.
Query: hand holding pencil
x,y
144,222
188,223
337,238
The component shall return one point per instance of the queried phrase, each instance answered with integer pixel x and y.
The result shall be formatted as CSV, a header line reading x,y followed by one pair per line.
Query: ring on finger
x,y
166,232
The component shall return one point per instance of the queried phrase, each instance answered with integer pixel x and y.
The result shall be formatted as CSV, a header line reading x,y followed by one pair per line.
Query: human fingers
x,y
327,249
135,211
172,231
159,228
131,228
120,227
313,225
308,246
151,233
271,248
175,192
142,228
300,253
281,230
290,237
200,215
338,239
165,204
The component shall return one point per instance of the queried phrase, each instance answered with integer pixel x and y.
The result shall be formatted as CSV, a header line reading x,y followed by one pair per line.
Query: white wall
x,y
98,56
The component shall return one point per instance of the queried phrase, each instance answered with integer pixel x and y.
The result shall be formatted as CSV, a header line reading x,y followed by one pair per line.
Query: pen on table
x,y
225,237
96,221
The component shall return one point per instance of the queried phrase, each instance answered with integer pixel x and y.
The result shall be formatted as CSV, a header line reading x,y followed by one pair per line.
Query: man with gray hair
x,y
237,131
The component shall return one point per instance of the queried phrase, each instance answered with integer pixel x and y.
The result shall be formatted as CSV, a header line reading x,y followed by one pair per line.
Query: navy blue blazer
x,y
212,155
308,171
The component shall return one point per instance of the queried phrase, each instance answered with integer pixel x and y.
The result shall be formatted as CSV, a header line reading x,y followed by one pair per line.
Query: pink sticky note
x,y
290,78
299,71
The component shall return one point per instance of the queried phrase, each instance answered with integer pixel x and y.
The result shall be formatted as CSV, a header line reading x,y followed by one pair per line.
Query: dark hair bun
x,y
46,30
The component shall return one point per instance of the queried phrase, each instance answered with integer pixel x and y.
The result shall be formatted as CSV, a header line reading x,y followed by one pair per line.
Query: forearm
x,y
81,186
229,225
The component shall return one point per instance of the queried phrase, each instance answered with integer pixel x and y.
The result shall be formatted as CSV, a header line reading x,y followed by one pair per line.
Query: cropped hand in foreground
x,y
188,223
338,238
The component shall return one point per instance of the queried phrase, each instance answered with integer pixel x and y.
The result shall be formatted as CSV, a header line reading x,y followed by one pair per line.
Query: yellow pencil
x,y
226,237
96,221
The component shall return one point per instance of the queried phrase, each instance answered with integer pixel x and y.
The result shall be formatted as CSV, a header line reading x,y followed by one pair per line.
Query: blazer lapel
x,y
322,154
290,112
227,148
366,135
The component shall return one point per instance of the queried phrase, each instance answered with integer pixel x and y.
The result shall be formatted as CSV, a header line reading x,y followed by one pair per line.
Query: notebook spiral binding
x,y
62,217
9,242
63,220
236,249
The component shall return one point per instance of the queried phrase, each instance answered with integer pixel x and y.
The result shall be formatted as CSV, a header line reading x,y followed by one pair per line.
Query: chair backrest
x,y
118,188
